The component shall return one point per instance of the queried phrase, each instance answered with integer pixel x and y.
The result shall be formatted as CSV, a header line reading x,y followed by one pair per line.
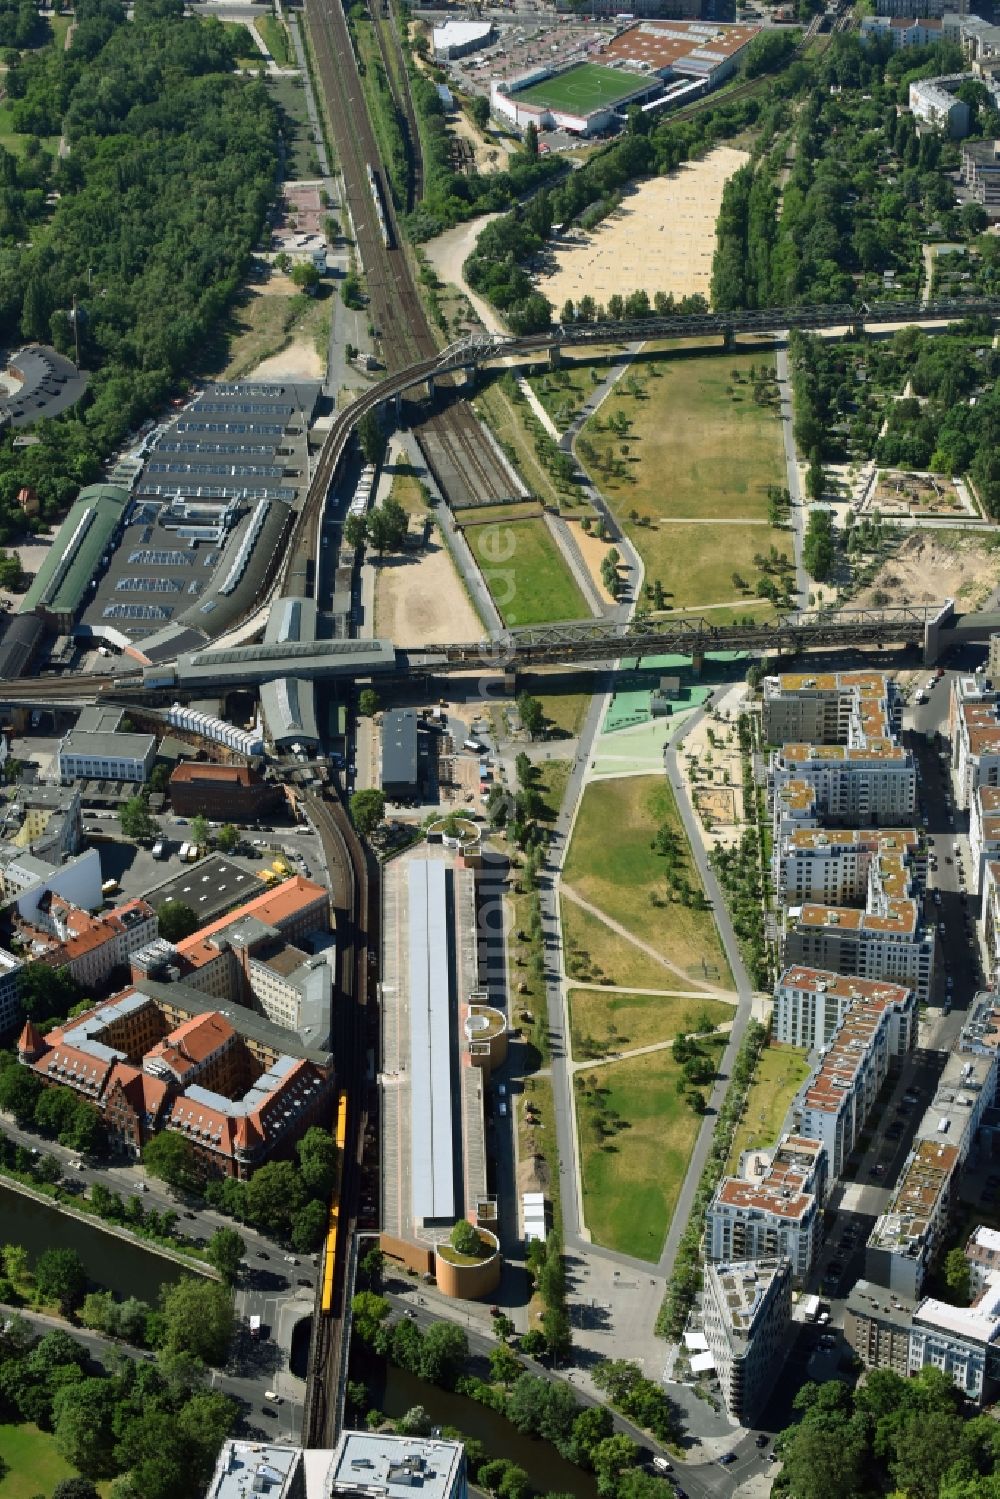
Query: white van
x,y
270,1395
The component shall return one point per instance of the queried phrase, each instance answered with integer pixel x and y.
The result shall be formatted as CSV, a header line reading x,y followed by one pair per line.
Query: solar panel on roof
x,y
149,585
158,558
218,491
238,429
245,408
160,612
190,445
214,465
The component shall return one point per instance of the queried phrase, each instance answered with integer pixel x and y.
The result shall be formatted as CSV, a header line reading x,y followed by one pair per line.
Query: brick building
x,y
225,793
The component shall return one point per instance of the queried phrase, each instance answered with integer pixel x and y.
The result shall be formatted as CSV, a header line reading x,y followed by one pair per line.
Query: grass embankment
x,y
658,896
262,324
779,1074
33,1463
290,96
602,1020
636,1136
408,491
516,429
276,39
525,572
564,711
595,955
687,440
381,108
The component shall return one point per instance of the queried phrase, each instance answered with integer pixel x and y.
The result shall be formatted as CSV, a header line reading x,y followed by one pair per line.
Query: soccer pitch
x,y
581,90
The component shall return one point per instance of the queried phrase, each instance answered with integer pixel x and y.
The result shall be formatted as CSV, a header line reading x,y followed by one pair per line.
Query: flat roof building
x,y
810,1004
210,887
85,538
773,1208
747,1308
95,749
367,1465
935,102
400,754
982,1255
227,793
907,1235
432,1021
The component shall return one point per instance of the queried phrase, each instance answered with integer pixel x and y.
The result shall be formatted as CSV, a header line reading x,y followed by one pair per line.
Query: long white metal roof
x,y
432,1166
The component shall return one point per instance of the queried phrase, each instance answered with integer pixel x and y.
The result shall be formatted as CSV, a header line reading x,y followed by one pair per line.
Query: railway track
x,y
355,895
385,24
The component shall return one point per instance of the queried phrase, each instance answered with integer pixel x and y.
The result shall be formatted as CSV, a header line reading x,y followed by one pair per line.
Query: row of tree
x,y
155,1428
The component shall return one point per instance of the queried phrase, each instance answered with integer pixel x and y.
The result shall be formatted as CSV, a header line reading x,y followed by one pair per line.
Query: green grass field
x,y
34,1466
622,1022
596,954
632,1176
697,447
276,39
581,90
780,1073
612,864
525,572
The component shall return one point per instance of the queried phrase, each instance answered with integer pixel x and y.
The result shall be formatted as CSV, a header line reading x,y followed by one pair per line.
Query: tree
x,y
956,1275
367,810
227,838
74,1488
532,714
318,1157
11,576
479,108
505,1366
172,1158
47,993
20,1091
355,530
274,1194
371,438
60,1276
225,1253
465,1239
135,820
309,1226
531,140
610,1458
387,527
443,1355
197,1319
368,703
306,276
591,1427
83,1430
176,920
368,1312
200,831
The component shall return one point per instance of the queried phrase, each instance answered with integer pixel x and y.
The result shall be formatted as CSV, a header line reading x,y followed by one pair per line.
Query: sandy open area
x,y
449,252
593,551
926,569
661,238
300,361
420,601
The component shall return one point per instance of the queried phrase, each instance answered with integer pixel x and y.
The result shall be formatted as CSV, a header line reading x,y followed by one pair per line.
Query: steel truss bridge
x,y
602,640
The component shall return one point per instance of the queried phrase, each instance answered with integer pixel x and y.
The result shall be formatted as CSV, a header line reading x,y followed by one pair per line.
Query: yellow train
x,y
330,1250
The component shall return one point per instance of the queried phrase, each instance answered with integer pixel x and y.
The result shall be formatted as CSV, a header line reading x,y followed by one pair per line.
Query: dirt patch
x,y
420,601
449,252
932,565
300,361
661,238
593,551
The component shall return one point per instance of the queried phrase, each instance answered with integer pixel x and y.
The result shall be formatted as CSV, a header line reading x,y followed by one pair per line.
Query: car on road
x,y
662,1466
266,1410
761,1439
727,1458
261,1255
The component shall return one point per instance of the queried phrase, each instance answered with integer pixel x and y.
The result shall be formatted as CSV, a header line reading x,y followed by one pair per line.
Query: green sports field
x,y
582,89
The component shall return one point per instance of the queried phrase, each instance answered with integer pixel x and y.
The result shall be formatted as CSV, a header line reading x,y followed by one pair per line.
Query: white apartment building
x,y
10,996
989,922
772,1209
810,1004
974,730
984,832
962,1341
747,1308
830,707
831,865
91,947
873,786
902,31
835,1102
982,1254
908,1235
934,102
888,945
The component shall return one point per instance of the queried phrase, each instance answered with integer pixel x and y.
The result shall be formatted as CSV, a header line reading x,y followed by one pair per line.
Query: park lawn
x,y
624,1022
487,514
290,96
595,953
551,780
695,564
757,609
564,712
693,450
510,422
16,143
274,35
525,572
563,391
612,864
407,491
59,25
34,1466
631,1179
780,1073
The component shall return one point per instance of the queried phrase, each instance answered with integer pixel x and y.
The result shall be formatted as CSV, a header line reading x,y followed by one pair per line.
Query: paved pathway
x,y
563,538
798,507
641,1051
528,391
706,990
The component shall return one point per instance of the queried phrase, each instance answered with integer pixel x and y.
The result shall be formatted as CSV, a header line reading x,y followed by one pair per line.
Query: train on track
x,y
331,1245
377,199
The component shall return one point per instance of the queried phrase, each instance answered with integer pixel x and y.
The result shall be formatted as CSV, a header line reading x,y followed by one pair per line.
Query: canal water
x,y
121,1265
394,1391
